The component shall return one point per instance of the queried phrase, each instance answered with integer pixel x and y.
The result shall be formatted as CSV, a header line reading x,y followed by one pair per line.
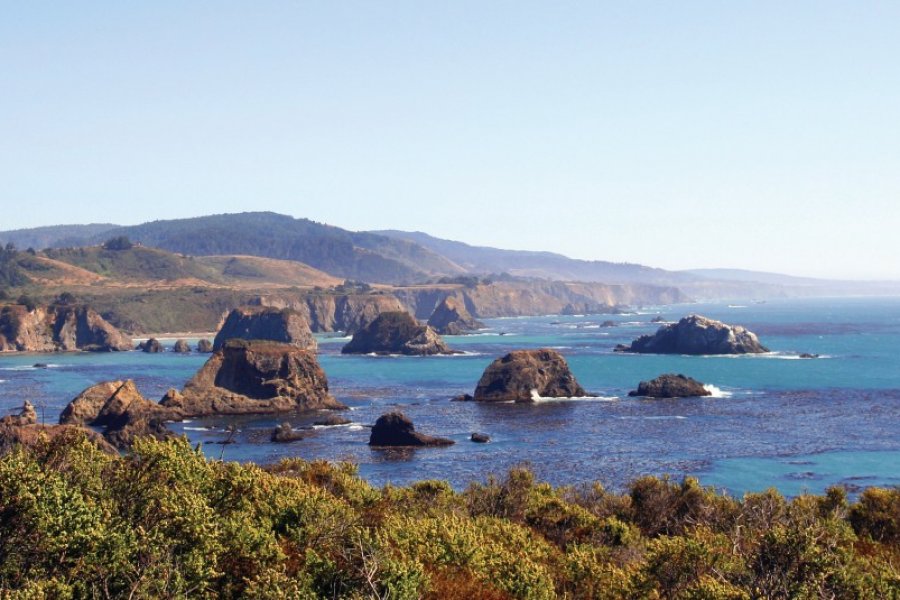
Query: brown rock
x,y
255,377
204,346
58,328
263,323
181,347
517,376
450,317
87,405
670,386
697,335
396,333
27,416
285,433
395,429
151,346
35,434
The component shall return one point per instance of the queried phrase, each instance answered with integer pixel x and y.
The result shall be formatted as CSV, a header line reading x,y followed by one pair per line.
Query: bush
x,y
118,243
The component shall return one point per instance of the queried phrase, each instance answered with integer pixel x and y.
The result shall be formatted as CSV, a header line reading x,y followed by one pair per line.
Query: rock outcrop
x,y
396,333
451,318
254,377
522,375
480,438
336,312
697,335
27,416
395,429
285,433
58,328
151,346
204,346
670,386
120,409
34,434
181,347
331,421
264,323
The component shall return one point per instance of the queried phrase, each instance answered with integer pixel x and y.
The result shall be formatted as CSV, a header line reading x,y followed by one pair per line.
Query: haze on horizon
x,y
760,136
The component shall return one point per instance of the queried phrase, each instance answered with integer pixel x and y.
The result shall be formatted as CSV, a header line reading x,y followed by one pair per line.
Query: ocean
x,y
775,420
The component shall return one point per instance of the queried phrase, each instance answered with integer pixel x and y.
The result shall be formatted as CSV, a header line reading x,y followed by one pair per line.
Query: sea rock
x,y
255,377
395,429
285,433
521,374
658,319
480,438
808,355
462,398
609,324
670,386
204,346
27,416
396,333
124,414
332,420
328,312
697,335
58,328
450,317
88,404
151,346
181,347
265,323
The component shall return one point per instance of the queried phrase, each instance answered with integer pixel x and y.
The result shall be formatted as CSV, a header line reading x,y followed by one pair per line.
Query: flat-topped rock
x,y
697,335
670,386
523,374
451,317
266,323
395,429
396,333
255,377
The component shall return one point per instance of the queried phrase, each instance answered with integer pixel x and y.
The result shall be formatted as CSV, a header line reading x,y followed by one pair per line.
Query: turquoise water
x,y
779,420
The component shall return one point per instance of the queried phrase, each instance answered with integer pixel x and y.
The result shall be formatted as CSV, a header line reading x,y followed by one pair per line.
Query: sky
x,y
756,135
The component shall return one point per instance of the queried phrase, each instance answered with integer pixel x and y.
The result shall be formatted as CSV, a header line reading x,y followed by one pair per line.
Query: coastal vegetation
x,y
163,521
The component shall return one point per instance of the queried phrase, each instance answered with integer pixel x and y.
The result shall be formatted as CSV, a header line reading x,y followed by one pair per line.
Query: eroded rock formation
x,y
522,375
697,335
670,386
396,333
265,323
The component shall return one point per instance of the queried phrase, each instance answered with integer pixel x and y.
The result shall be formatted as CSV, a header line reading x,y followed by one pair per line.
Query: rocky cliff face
x,y
529,298
452,318
58,328
396,333
330,312
265,323
697,335
523,374
247,377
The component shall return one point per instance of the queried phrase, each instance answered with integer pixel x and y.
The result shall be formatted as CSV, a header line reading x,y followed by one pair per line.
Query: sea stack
x,y
523,375
255,377
451,317
395,429
697,335
671,386
264,323
396,333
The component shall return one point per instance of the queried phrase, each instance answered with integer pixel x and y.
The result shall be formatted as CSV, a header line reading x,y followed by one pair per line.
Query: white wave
x,y
197,428
536,397
737,306
355,427
347,425
652,417
716,392
590,327
2,381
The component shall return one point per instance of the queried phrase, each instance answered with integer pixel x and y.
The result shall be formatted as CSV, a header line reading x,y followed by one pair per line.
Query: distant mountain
x,y
54,236
544,265
754,276
360,256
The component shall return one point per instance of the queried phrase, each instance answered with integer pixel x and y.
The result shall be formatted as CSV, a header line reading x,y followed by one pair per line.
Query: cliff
x,y
266,323
333,312
58,328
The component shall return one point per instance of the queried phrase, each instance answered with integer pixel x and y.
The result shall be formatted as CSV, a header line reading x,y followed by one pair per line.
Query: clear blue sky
x,y
761,135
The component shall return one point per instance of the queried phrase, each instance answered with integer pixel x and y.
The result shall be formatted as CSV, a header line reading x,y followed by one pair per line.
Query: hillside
x,y
54,236
544,265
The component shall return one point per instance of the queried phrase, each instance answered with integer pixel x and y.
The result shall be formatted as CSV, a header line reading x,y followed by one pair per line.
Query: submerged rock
x,y
204,346
151,346
518,375
332,420
265,323
255,377
670,386
395,429
451,317
462,398
697,335
181,347
808,355
285,433
396,333
480,438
